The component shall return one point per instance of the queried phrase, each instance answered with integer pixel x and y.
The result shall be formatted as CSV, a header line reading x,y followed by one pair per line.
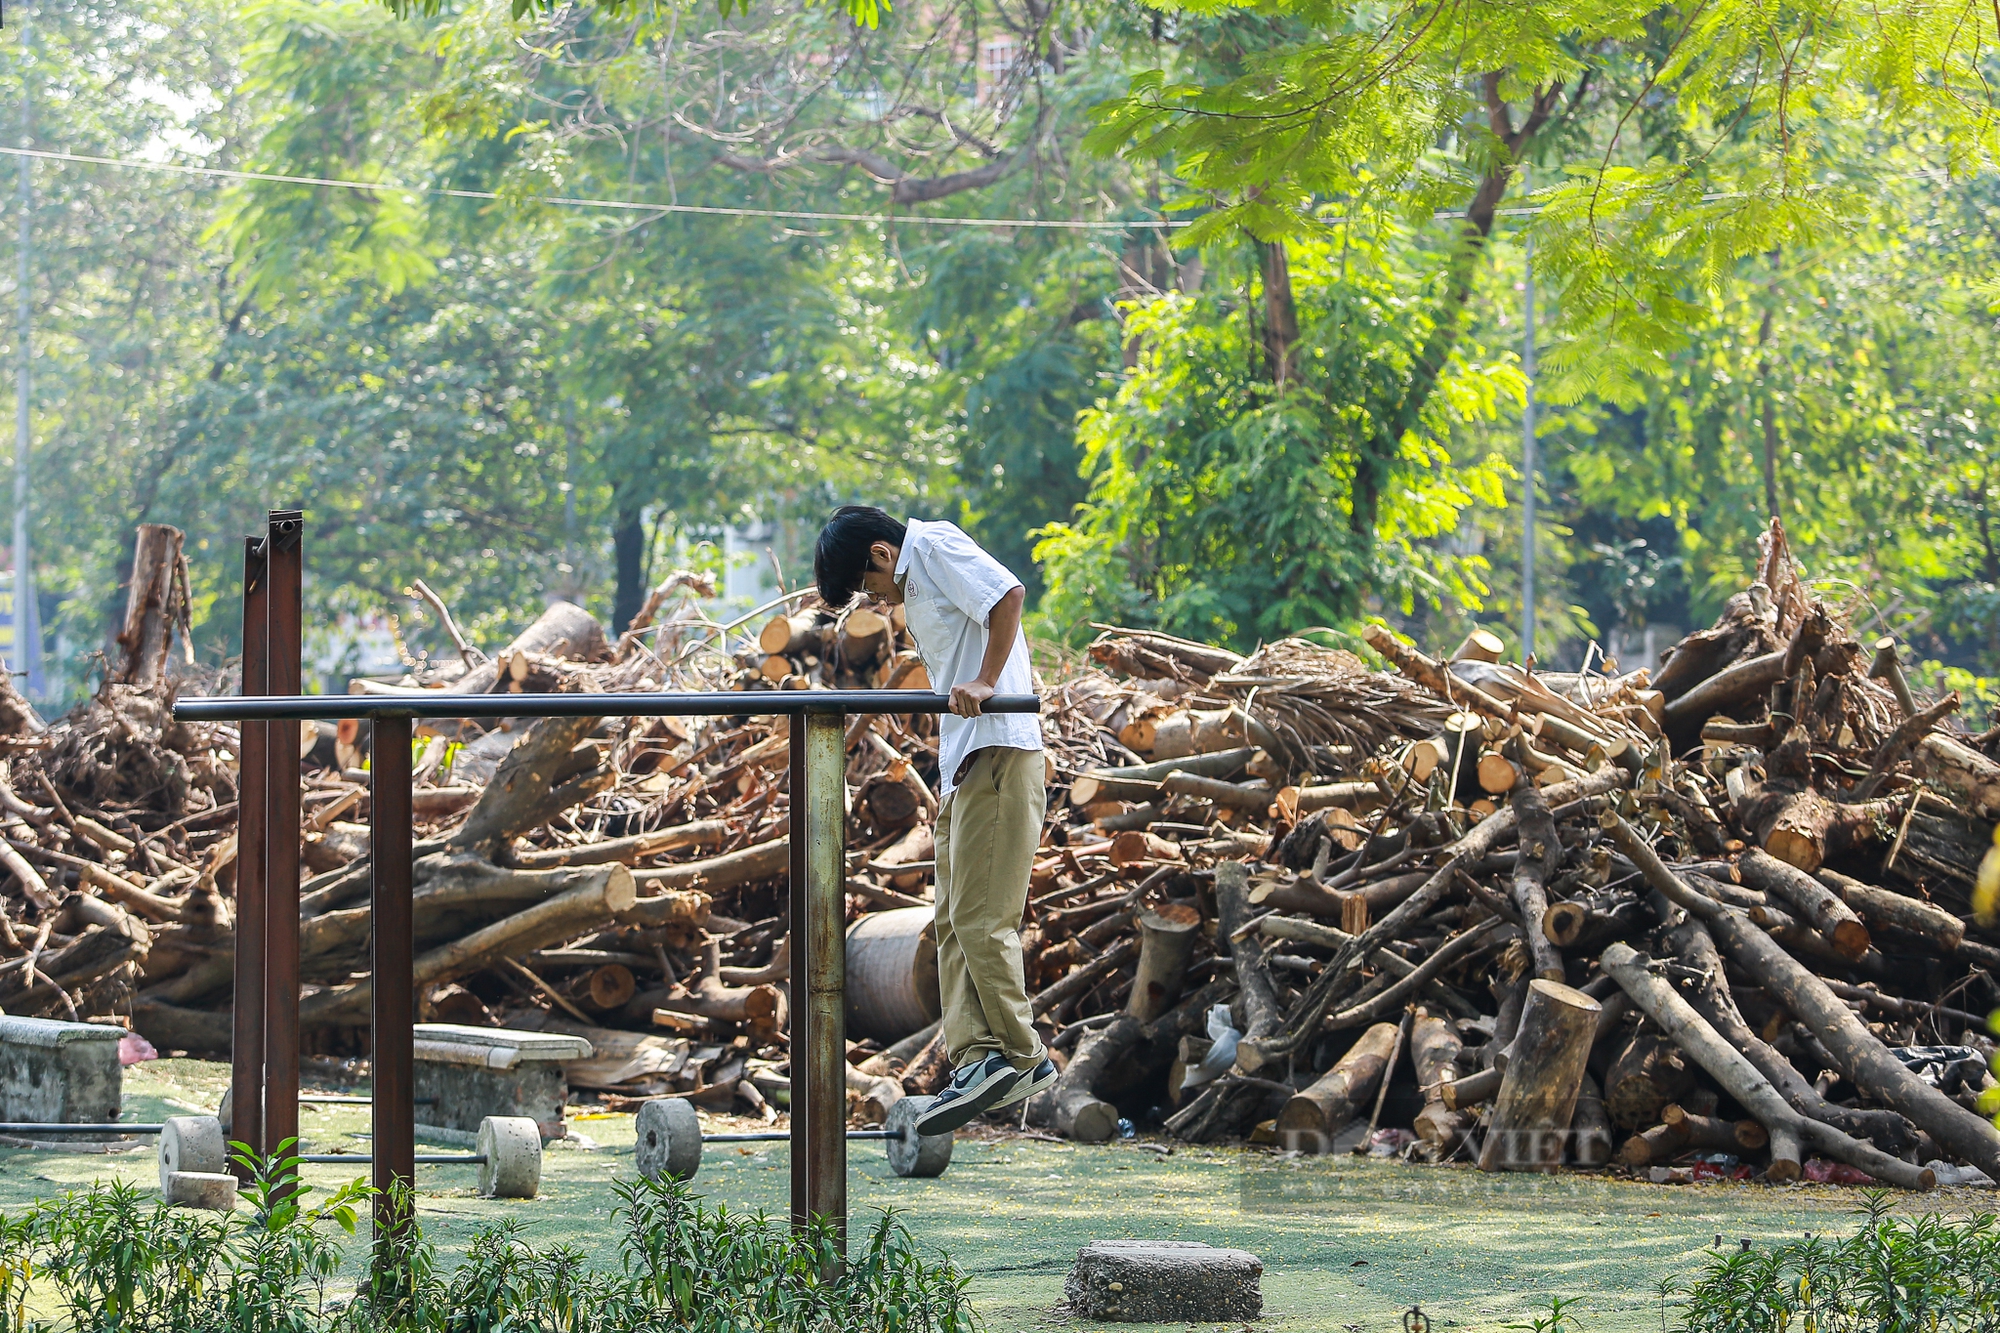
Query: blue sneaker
x,y
973,1089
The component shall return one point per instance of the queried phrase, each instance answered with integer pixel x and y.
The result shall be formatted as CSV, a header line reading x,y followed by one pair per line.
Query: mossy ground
x,y
1348,1245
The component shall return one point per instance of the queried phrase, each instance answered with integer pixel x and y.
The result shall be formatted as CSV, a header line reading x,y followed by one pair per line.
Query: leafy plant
x,y
107,1260
1896,1275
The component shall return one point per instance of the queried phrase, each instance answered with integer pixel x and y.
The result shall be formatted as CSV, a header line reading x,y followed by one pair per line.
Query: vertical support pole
x,y
281,893
825,801
795,778
1529,465
393,1113
246,1054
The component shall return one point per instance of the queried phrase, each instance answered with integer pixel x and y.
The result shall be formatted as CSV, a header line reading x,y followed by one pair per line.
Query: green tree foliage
x,y
1226,506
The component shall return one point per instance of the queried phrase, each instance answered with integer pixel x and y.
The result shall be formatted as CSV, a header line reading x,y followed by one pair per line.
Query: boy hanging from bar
x,y
964,611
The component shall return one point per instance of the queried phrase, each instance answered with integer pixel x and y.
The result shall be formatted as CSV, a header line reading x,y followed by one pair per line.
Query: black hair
x,y
841,557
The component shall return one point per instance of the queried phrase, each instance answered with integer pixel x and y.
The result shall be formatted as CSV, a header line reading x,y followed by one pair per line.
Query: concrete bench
x,y
1164,1282
475,1072
60,1073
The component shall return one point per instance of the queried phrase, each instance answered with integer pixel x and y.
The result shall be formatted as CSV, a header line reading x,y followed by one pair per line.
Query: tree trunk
x,y
1967,775
628,558
1434,1049
1281,319
1887,909
1312,1118
1544,1074
152,607
1712,999
1167,936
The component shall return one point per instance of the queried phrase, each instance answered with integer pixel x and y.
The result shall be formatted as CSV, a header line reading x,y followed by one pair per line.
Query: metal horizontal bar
x,y
785,1136
421,1159
693,703
32,1127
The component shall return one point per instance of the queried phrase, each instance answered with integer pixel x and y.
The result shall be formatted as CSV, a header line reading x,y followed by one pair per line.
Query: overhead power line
x,y
567,201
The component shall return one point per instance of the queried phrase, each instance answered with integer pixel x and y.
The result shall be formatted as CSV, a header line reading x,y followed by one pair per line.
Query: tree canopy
x,y
1201,315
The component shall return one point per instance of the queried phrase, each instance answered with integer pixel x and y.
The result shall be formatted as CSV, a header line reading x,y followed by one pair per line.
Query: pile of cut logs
x,y
1713,918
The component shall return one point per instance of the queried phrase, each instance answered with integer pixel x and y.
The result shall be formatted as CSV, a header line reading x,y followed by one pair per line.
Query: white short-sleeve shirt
x,y
950,586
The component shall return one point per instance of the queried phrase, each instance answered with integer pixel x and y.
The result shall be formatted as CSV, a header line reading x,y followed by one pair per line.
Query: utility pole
x,y
27,627
1528,461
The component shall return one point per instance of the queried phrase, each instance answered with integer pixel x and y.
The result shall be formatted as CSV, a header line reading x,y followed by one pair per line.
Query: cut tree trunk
x,y
1336,1098
1818,905
1434,1049
1711,998
1885,908
1538,1091
791,636
1961,771
601,894
1076,1111
1167,936
1142,782
549,770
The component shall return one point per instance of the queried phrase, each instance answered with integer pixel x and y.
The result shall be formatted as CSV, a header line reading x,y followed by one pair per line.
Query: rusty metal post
x,y
283,568
393,1114
795,778
246,1054
825,952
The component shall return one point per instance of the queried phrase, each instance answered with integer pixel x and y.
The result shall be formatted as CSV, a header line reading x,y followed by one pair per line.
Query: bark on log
x,y
1312,1118
153,606
762,1007
696,833
1861,1058
1795,829
1586,925
1196,731
1590,1142
1884,908
1075,1109
1730,686
1434,1049
1545,1069
1472,1090
1649,1072
602,893
765,860
1732,1070
548,770
1344,795
1541,852
1961,771
1167,936
1710,995
1142,782
1235,795
1820,906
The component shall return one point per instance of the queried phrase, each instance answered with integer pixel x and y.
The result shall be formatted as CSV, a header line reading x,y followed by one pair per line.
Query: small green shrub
x,y
1928,1274
110,1260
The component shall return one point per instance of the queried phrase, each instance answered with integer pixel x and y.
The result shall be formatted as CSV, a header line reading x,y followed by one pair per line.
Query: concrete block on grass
x,y
1164,1281
60,1073
465,1074
214,1190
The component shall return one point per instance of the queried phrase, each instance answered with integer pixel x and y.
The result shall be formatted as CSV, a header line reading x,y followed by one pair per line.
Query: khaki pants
x,y
987,833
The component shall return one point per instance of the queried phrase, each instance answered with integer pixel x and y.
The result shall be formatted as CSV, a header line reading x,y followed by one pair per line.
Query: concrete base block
x,y
1164,1281
473,1073
213,1190
60,1072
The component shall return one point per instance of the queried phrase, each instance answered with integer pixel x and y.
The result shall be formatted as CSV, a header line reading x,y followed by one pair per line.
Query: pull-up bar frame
x,y
265,1068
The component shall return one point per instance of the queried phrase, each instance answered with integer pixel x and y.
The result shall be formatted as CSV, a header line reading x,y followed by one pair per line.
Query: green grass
x,y
1347,1244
